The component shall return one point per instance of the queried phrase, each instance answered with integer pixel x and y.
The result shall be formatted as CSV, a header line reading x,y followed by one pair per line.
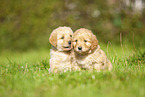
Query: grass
x,y
26,75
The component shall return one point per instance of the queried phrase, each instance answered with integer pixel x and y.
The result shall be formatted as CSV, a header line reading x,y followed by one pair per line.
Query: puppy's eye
x,y
62,37
70,35
76,40
85,40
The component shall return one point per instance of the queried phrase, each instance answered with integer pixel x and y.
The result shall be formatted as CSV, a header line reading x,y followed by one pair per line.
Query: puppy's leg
x,y
75,67
97,67
104,65
53,66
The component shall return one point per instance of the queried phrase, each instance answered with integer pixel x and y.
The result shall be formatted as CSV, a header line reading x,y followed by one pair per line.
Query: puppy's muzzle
x,y
79,48
67,47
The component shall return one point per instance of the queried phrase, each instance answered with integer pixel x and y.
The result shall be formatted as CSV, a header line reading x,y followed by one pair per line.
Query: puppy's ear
x,y
94,42
53,39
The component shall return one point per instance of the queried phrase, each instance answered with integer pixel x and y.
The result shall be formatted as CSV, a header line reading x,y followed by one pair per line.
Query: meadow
x,y
26,75
25,26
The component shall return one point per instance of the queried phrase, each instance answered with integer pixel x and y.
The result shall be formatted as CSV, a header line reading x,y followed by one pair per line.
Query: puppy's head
x,y
61,37
84,41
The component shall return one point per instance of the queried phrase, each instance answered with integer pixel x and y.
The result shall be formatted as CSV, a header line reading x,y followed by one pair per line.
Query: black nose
x,y
80,48
69,42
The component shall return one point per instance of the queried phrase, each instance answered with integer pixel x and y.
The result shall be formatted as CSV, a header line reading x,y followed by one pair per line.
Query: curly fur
x,y
90,56
60,52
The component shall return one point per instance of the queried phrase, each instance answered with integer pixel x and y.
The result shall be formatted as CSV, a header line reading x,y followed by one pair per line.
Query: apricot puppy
x,y
60,39
87,53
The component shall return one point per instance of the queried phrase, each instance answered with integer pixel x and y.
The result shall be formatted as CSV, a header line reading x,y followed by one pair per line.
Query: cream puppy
x,y
87,53
60,53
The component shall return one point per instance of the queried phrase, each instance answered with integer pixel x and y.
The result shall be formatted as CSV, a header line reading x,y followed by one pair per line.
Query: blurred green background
x,y
27,24
25,27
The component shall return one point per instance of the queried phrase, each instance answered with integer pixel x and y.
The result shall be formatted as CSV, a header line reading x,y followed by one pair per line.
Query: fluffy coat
x,y
87,53
60,52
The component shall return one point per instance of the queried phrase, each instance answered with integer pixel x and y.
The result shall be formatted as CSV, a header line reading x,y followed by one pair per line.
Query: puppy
x,y
87,53
60,39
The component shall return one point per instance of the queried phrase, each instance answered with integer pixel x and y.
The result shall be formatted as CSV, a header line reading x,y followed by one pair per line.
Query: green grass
x,y
26,75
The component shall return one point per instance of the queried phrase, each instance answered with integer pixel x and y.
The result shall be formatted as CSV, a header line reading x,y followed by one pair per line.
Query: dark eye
x,y
62,37
70,35
85,40
76,40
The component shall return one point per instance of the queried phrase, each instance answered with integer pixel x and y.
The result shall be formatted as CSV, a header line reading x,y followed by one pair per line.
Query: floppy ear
x,y
94,42
53,39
